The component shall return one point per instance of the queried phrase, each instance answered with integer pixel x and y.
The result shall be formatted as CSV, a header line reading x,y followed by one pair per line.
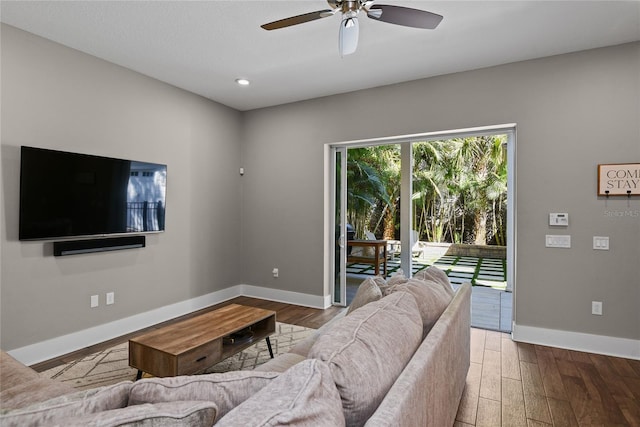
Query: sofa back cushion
x,y
367,292
436,275
367,350
304,395
431,297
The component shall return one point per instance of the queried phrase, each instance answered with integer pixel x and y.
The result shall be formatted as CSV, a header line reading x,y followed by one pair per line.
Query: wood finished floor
x,y
518,384
509,384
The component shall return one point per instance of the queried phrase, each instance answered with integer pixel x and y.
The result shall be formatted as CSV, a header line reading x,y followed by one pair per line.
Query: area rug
x,y
112,365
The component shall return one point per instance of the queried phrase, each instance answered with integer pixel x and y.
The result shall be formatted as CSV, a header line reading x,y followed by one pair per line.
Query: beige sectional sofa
x,y
399,357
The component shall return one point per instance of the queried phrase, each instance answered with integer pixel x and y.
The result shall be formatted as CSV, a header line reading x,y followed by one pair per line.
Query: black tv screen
x,y
70,195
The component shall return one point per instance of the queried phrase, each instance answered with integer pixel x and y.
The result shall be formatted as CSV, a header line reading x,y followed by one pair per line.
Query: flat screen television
x,y
64,195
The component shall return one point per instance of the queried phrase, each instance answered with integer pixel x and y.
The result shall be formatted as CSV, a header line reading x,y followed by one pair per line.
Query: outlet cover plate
x,y
601,243
596,307
557,241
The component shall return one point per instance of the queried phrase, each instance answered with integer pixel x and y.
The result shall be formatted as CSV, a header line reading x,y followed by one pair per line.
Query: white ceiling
x,y
203,46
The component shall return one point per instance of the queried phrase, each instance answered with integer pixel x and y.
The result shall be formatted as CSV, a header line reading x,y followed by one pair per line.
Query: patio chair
x,y
417,250
393,246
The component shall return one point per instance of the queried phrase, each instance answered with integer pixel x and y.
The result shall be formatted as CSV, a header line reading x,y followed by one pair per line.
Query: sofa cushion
x,y
163,414
397,278
367,292
431,297
280,363
305,395
367,350
22,386
13,372
53,411
435,274
303,347
29,392
227,390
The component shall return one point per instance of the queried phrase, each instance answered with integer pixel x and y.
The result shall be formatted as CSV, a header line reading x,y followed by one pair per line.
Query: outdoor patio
x,y
491,305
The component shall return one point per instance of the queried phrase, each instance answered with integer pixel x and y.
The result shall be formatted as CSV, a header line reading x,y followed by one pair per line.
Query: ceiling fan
x,y
349,29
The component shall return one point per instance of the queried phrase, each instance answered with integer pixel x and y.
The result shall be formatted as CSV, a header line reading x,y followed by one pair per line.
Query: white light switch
x,y
601,243
95,301
558,241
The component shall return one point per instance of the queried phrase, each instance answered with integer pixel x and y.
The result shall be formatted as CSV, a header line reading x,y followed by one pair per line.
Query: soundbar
x,y
74,247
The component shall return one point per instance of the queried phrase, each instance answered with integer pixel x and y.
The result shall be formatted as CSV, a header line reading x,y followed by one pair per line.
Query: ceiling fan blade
x,y
299,19
404,16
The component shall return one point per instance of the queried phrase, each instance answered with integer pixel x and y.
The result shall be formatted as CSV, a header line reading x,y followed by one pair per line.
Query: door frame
x,y
508,129
338,154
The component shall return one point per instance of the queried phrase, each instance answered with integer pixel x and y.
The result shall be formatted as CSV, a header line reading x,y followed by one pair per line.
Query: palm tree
x,y
456,182
481,164
430,193
373,177
456,179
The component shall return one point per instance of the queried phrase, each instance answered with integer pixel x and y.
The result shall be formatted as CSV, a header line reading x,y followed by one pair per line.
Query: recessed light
x,y
243,82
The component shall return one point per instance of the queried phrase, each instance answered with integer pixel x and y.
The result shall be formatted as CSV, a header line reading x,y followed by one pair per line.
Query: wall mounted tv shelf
x,y
74,247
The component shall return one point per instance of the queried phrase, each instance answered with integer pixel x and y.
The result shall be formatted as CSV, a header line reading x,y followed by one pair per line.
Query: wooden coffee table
x,y
194,344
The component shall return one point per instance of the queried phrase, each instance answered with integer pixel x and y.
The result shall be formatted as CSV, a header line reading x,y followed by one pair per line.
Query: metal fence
x,y
145,216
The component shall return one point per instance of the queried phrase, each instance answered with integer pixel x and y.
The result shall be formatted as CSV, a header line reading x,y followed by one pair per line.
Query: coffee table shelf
x,y
194,344
261,330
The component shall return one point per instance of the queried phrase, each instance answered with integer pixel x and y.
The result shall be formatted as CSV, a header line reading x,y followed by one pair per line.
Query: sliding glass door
x,y
339,224
444,199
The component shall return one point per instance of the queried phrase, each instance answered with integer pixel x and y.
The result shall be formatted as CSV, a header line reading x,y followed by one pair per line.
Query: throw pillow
x,y
305,395
367,350
164,414
431,297
227,390
367,292
54,411
438,276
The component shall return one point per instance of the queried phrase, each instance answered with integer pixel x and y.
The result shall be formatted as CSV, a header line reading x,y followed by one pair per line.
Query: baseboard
x,y
289,297
49,349
599,344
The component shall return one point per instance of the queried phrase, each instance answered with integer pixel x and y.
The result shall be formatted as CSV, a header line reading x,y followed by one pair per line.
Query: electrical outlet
x,y
111,298
276,272
95,301
596,307
601,243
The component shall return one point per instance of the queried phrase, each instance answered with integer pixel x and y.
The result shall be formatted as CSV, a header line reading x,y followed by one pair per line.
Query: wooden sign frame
x,y
619,179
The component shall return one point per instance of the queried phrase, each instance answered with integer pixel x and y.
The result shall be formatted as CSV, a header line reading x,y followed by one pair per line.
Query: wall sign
x,y
622,179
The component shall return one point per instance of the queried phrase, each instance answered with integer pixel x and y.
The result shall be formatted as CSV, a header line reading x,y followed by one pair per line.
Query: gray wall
x,y
55,97
572,113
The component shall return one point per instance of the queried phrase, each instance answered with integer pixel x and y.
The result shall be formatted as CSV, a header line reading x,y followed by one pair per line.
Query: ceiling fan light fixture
x,y
349,27
243,82
348,38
